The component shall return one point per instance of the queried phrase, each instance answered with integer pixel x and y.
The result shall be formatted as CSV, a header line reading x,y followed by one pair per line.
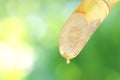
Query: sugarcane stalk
x,y
82,24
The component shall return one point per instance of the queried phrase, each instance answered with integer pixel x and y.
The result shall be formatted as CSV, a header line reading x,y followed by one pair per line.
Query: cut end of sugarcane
x,y
73,36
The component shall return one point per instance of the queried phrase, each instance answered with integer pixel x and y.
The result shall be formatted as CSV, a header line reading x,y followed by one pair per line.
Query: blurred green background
x,y
29,34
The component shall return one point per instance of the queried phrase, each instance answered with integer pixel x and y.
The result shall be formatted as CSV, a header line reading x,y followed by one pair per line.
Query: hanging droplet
x,y
68,61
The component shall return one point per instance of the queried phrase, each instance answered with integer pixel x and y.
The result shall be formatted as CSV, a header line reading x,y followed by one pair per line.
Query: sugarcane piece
x,y
82,24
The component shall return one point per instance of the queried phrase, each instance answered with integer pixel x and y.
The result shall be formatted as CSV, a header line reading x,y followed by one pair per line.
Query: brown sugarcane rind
x,y
81,25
